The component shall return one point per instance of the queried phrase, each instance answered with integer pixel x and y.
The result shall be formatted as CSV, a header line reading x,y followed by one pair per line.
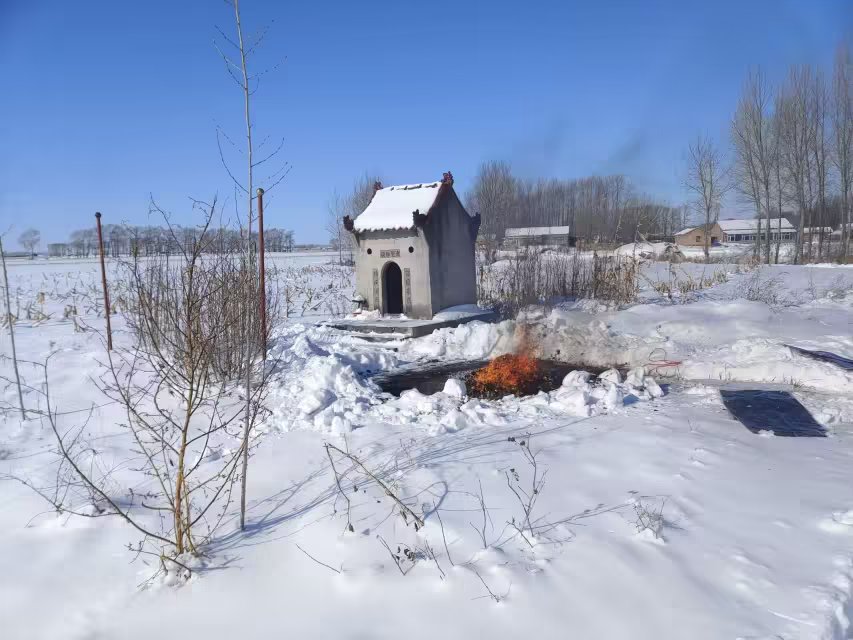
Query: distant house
x,y
538,236
736,231
414,249
746,230
695,236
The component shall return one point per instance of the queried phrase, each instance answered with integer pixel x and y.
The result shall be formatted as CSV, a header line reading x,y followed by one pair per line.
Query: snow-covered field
x,y
660,516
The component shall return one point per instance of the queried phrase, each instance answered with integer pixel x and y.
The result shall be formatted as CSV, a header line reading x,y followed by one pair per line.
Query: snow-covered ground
x,y
660,516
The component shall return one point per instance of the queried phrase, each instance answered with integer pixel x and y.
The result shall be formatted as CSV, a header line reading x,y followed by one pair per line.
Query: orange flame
x,y
507,374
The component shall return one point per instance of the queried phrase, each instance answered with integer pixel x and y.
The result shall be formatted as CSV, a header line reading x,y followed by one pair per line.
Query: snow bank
x,y
325,374
718,337
458,312
746,536
321,373
323,379
322,382
648,250
471,341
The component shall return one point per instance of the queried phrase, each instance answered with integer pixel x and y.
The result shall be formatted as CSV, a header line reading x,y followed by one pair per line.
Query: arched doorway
x,y
392,280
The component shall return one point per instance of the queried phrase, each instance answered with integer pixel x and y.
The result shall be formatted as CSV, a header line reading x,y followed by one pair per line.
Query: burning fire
x,y
506,374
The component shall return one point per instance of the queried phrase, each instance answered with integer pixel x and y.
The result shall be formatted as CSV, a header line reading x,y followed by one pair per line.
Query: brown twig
x,y
405,509
320,562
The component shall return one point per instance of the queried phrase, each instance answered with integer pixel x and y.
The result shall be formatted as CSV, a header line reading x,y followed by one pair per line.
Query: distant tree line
x,y
791,157
600,209
140,241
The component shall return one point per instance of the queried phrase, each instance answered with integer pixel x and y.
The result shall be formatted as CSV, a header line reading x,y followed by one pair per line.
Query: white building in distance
x,y
735,231
538,236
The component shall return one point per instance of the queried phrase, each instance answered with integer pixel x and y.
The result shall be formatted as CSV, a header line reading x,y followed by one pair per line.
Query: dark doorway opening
x,y
393,288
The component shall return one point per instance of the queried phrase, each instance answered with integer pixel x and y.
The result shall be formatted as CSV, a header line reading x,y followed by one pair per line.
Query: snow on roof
x,y
817,229
520,232
748,225
392,207
731,226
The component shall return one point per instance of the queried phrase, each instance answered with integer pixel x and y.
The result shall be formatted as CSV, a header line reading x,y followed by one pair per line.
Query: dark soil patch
x,y
430,378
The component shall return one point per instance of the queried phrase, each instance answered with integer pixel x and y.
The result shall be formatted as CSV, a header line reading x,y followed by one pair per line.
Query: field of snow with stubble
x,y
659,516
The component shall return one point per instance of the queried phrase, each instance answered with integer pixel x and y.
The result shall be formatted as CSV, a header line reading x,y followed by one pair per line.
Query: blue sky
x,y
106,102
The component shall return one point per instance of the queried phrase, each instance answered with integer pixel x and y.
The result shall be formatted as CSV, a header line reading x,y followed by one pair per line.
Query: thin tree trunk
x,y
845,229
757,248
769,227
12,331
249,265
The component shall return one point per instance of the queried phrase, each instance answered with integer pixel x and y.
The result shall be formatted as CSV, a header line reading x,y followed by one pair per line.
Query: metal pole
x,y
12,331
104,283
262,272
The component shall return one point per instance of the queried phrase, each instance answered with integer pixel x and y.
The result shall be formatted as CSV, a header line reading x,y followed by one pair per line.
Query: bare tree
x,y
334,223
752,138
362,193
795,128
247,93
29,240
495,197
619,189
842,121
178,385
338,236
248,83
352,205
181,314
707,181
819,152
776,161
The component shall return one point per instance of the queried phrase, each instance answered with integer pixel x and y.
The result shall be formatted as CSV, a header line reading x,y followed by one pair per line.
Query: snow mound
x,y
649,251
455,388
322,382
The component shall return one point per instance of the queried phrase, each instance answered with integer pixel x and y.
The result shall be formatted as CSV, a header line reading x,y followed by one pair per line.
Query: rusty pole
x,y
262,272
104,283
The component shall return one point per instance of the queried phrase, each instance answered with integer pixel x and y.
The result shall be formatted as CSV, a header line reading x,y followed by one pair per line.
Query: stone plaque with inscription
x,y
407,283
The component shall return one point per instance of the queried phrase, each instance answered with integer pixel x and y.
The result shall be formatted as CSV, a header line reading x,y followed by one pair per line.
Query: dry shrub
x,y
203,299
533,277
314,289
679,285
197,330
768,289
